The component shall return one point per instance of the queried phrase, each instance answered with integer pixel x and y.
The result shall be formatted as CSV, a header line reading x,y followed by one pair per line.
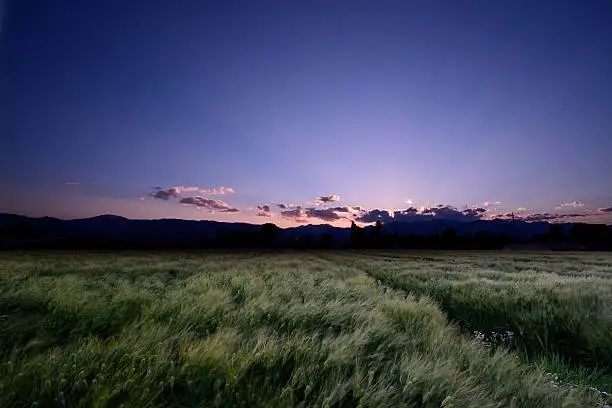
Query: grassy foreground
x,y
299,329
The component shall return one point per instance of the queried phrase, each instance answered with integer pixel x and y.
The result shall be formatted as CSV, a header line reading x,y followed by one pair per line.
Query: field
x,y
305,329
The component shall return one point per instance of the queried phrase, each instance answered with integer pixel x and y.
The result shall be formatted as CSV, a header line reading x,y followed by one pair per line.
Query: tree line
x,y
270,236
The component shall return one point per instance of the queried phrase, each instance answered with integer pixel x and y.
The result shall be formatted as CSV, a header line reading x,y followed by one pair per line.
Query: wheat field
x,y
305,329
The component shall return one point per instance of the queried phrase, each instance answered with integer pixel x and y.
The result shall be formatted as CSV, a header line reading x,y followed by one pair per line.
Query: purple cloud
x,y
412,214
177,191
326,215
161,194
327,199
203,202
539,217
375,215
297,215
605,210
264,210
230,210
341,209
300,214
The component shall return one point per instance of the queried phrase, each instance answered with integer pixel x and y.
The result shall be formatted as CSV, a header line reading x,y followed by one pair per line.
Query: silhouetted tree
x,y
357,236
595,236
269,234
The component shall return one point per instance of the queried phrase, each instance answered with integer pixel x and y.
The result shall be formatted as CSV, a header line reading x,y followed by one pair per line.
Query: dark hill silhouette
x,y
111,231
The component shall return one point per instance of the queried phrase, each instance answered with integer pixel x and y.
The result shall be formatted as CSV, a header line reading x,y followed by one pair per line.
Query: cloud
x,y
189,189
443,212
550,217
300,214
297,215
203,202
327,199
161,194
407,215
474,213
177,191
72,183
264,210
341,209
573,204
284,206
409,201
521,209
326,215
451,213
231,210
217,191
375,215
605,210
539,217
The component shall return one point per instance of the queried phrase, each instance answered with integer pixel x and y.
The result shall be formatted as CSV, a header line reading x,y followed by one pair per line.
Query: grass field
x,y
320,329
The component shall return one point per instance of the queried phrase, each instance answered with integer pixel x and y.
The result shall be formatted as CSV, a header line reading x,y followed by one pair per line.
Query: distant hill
x,y
112,230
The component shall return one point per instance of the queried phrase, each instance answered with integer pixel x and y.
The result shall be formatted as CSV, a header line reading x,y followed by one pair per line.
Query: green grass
x,y
302,329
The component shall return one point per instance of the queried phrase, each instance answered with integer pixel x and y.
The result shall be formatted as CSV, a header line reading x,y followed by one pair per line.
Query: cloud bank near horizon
x,y
320,211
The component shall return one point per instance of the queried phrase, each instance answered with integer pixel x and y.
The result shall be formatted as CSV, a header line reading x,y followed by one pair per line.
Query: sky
x,y
335,110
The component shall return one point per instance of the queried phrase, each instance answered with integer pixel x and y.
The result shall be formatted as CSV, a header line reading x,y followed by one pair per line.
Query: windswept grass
x,y
557,307
253,330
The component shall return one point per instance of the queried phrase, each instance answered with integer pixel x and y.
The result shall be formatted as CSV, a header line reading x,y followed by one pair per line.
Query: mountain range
x,y
160,231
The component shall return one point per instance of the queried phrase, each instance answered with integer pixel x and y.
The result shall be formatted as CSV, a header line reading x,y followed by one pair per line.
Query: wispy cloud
x,y
217,191
572,204
177,191
230,210
605,210
72,183
534,217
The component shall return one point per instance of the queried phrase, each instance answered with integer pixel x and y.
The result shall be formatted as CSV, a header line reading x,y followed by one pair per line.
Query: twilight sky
x,y
208,109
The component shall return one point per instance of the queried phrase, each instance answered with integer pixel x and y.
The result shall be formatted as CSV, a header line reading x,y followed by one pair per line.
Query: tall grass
x,y
184,330
556,306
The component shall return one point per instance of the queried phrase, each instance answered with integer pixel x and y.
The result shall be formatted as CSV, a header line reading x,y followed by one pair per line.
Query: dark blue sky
x,y
380,102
